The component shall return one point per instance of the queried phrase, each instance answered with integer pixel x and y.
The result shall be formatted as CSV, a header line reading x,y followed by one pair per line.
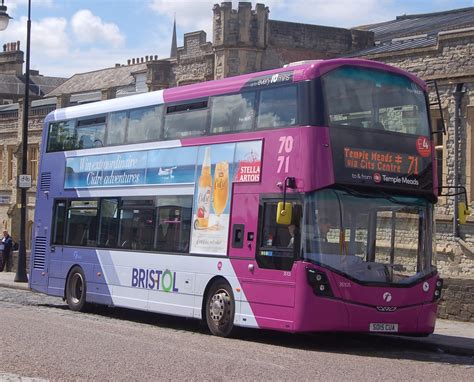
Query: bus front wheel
x,y
76,290
220,309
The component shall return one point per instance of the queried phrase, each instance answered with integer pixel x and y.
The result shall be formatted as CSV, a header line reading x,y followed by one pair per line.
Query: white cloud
x,y
190,15
194,15
89,28
48,36
81,61
12,5
340,13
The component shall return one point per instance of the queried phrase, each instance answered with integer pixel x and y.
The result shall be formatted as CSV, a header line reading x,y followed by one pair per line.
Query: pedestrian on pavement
x,y
7,243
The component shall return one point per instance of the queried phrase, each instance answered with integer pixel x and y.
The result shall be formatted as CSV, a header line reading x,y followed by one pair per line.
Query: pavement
x,y
452,337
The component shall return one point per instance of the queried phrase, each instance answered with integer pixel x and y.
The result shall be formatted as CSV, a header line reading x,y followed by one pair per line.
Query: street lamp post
x,y
20,275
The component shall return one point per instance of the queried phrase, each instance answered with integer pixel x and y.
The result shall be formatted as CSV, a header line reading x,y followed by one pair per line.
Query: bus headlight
x,y
438,288
319,282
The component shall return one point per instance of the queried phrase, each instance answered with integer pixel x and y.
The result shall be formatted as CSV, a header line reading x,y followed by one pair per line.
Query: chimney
x,y
128,62
18,45
141,60
133,61
11,59
156,57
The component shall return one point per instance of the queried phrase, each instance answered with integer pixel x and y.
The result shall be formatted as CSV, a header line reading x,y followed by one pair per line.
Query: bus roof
x,y
305,71
299,72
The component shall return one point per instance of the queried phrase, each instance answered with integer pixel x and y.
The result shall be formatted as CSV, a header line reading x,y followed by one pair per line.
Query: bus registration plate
x,y
384,327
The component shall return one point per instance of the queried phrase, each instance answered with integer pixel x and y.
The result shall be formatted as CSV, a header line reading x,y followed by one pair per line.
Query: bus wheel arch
x,y
76,289
218,307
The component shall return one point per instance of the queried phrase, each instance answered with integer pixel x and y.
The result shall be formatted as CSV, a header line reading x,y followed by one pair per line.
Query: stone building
x,y
12,90
440,46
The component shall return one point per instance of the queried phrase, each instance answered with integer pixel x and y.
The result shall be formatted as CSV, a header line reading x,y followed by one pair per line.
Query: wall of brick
x,y
457,300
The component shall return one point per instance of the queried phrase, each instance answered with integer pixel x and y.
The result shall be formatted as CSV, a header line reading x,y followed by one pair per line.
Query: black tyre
x,y
76,289
220,309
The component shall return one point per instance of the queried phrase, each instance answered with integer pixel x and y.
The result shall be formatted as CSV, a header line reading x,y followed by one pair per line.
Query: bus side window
x,y
91,133
109,223
174,224
234,112
59,222
137,222
278,107
144,124
186,120
279,243
116,128
81,227
62,136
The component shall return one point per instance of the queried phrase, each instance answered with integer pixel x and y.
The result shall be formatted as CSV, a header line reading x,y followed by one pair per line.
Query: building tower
x,y
174,43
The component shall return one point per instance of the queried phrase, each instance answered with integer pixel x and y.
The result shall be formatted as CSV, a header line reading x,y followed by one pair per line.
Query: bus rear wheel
x,y
220,309
76,290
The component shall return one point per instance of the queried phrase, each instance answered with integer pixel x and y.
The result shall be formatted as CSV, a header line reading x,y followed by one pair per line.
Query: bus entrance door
x,y
265,269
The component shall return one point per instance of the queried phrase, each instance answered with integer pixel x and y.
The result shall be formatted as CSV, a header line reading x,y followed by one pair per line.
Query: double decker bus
x,y
298,199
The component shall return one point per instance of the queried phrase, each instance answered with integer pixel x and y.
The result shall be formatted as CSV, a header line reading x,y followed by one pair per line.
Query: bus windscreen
x,y
367,98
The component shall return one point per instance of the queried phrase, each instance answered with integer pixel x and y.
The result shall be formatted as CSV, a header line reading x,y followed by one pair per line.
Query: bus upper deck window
x,y
186,120
278,107
144,124
116,128
90,133
234,112
62,136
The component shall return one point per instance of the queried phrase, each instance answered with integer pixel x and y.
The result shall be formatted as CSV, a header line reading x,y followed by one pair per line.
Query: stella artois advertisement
x,y
218,167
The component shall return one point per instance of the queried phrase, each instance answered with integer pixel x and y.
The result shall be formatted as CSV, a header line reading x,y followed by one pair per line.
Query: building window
x,y
29,234
33,163
438,142
1,165
439,145
11,163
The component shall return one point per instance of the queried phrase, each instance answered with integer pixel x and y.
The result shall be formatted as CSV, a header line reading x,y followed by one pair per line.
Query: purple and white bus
x,y
298,199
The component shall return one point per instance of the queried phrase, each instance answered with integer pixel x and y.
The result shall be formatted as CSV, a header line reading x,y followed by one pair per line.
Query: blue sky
x,y
75,36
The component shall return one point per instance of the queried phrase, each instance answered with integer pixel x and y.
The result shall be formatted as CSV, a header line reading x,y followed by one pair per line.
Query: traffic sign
x,y
24,181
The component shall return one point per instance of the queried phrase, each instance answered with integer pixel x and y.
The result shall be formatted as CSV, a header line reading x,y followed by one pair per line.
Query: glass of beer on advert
x,y
221,188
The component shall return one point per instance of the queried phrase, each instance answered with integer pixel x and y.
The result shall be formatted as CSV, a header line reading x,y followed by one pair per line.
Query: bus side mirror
x,y
284,213
463,212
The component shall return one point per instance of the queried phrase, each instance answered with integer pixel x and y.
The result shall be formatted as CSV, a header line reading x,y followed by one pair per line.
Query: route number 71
x,y
285,148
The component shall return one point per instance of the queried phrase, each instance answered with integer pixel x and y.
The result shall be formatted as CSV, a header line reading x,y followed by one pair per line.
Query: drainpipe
x,y
458,94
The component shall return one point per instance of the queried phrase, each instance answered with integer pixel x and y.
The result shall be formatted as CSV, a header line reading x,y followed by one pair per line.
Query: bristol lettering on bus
x,y
299,203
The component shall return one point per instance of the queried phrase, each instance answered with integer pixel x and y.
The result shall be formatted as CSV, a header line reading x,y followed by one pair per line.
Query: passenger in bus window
x,y
324,228
292,229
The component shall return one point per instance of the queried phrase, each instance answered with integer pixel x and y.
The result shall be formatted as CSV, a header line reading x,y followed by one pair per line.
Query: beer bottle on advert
x,y
204,191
